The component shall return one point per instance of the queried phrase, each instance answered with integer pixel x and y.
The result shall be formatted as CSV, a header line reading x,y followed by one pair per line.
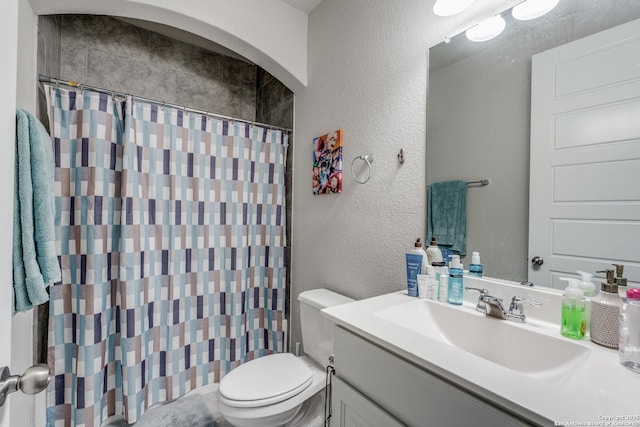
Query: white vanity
x,y
404,361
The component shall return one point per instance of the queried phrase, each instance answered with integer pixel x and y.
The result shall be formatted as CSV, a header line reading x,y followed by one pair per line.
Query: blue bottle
x,y
475,268
456,285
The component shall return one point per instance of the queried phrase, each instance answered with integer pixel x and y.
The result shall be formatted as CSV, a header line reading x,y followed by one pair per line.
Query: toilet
x,y
281,388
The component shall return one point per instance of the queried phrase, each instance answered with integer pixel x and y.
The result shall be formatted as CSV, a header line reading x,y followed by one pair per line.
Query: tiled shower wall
x,y
112,54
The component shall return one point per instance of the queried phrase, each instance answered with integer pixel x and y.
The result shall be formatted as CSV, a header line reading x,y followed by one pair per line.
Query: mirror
x,y
479,122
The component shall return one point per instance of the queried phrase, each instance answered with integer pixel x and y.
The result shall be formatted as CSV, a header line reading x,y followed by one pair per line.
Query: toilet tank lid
x,y
323,298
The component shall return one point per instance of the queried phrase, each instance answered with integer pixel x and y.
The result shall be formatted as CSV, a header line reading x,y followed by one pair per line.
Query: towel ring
x,y
368,159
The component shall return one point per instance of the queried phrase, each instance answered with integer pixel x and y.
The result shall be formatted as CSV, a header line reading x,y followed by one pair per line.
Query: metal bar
x,y
481,182
53,80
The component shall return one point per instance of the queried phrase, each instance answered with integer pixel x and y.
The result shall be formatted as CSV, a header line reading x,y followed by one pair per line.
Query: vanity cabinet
x,y
352,409
374,387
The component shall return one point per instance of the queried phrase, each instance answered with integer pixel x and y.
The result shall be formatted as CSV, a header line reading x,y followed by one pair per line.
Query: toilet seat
x,y
265,381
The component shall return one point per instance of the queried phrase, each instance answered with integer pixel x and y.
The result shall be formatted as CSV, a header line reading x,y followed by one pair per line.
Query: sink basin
x,y
514,346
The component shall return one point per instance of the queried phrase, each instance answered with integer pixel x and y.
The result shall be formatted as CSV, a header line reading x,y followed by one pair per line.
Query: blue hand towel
x,y
447,214
35,262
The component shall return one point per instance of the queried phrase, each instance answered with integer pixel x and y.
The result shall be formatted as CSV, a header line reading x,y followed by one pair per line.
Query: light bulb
x,y
486,30
532,9
450,7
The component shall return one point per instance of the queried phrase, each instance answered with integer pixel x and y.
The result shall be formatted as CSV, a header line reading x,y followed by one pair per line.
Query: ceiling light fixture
x,y
532,9
486,30
450,7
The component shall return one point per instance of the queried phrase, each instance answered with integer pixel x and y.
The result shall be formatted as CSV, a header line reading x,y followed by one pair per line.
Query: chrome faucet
x,y
492,306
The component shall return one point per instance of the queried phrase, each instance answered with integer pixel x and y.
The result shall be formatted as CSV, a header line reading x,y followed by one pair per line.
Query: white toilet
x,y
270,391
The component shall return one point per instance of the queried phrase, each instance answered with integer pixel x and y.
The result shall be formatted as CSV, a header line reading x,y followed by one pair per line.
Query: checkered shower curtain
x,y
172,242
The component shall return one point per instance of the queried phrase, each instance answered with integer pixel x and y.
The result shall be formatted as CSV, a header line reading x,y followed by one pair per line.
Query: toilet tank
x,y
317,330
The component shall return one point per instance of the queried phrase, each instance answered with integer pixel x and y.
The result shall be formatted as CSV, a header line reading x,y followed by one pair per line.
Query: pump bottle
x,y
573,310
456,285
475,268
434,254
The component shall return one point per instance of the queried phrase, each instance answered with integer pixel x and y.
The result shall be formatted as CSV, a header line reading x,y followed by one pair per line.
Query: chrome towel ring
x,y
368,159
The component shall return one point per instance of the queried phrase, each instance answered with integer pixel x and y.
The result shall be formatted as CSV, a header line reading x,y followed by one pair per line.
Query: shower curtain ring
x,y
368,159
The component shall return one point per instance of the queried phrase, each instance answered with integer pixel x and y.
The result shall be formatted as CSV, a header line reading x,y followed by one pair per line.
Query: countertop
x,y
599,391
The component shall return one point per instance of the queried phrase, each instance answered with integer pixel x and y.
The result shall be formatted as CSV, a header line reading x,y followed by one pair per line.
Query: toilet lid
x,y
265,381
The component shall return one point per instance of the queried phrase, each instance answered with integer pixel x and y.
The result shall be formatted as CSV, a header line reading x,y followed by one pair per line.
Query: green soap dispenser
x,y
573,324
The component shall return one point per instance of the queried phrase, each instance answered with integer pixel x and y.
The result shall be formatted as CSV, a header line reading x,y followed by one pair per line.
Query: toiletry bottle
x,y
605,314
438,266
423,283
456,285
630,330
620,281
587,286
475,268
432,284
573,313
416,257
443,284
433,252
590,291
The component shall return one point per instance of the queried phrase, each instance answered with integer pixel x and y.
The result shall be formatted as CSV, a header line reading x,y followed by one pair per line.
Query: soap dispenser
x,y
573,310
605,314
621,281
590,291
587,286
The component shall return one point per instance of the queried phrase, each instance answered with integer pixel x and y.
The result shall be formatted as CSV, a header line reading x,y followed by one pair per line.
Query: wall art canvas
x,y
327,163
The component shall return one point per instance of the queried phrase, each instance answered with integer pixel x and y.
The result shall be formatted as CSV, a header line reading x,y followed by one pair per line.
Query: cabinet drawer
x,y
410,393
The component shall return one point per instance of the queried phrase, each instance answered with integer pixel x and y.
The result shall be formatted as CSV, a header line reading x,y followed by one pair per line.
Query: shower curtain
x,y
172,246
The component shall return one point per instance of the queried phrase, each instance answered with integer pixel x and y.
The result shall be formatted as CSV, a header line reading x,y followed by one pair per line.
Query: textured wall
x,y
367,75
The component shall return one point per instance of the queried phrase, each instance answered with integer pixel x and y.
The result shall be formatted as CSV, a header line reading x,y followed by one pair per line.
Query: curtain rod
x,y
481,182
47,79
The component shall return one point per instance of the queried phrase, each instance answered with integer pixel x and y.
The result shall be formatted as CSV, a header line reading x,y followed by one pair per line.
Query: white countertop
x,y
597,391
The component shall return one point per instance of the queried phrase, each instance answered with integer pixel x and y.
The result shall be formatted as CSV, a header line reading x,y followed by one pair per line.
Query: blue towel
x,y
447,214
35,262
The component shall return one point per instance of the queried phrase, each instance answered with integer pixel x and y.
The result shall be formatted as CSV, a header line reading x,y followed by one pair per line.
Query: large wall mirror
x,y
479,126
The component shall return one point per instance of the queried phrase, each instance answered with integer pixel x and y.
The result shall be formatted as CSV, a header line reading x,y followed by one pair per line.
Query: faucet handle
x,y
516,299
480,305
482,291
516,310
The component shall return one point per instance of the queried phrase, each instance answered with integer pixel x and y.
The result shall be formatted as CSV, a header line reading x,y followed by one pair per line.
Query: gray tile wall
x,y
108,53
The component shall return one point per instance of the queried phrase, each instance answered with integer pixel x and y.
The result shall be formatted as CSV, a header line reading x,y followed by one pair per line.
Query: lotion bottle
x,y
416,264
475,268
573,323
456,285
434,254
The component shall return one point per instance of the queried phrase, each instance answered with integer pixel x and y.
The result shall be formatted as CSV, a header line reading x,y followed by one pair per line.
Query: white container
x,y
432,284
630,330
423,285
434,254
443,285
